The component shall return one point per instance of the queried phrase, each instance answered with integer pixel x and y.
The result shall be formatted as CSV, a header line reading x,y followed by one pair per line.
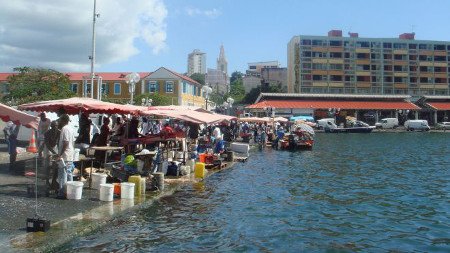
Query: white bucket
x,y
106,192
185,170
98,179
127,190
143,186
74,189
76,155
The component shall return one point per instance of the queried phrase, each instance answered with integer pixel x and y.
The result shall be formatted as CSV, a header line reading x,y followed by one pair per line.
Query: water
x,y
354,192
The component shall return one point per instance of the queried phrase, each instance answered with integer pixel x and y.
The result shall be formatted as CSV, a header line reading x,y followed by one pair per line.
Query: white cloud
x,y
57,34
213,13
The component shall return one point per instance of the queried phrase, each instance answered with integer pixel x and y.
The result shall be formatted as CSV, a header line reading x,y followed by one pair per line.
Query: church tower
x,y
222,63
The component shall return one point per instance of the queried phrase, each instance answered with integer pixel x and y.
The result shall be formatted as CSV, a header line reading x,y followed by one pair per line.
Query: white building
x,y
196,62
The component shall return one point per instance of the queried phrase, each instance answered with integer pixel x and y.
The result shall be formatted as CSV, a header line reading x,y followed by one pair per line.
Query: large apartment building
x,y
196,62
335,64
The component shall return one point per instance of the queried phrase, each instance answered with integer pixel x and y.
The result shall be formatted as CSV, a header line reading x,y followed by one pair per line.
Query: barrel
x,y
230,156
158,181
200,170
136,179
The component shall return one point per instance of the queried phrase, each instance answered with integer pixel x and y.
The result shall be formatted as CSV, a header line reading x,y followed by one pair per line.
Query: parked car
x,y
443,125
322,123
387,123
417,125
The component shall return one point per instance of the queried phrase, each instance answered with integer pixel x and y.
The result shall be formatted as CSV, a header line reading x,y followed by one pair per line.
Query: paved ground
x,y
69,218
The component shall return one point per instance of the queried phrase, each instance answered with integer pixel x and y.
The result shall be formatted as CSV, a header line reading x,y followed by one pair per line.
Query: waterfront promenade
x,y
69,218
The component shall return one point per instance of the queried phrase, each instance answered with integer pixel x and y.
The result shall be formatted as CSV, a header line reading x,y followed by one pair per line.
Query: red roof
x,y
78,76
440,106
317,104
4,76
182,76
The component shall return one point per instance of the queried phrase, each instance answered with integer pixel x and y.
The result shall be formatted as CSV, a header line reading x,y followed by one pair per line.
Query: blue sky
x,y
249,30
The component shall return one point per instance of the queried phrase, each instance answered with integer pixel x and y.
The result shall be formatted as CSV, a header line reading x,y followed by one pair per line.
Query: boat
x,y
355,127
301,138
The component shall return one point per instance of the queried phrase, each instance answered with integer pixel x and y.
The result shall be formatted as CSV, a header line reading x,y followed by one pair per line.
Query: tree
x,y
236,75
37,84
200,78
157,99
251,97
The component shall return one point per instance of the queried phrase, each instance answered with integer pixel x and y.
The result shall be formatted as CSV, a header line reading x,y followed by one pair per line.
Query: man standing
x,y
51,142
44,125
66,150
12,130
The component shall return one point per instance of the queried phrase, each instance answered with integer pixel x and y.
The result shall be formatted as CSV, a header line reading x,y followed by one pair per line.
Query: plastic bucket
x,y
191,164
74,189
98,179
200,170
127,190
106,192
117,189
137,184
76,155
202,158
143,185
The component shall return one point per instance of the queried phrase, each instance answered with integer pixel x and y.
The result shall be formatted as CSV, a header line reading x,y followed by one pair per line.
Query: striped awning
x,y
325,104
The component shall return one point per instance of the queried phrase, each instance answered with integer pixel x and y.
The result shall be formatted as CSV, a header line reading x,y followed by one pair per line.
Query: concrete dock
x,y
69,218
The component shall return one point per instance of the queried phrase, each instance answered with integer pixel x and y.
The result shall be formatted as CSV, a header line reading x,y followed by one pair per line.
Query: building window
x,y
88,88
169,87
74,87
105,88
152,87
184,87
117,88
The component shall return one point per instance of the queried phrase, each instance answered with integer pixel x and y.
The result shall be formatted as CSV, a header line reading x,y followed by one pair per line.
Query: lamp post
x,y
131,80
206,90
146,102
230,102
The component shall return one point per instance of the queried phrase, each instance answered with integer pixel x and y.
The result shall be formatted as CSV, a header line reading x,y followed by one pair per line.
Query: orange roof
x,y
440,106
325,104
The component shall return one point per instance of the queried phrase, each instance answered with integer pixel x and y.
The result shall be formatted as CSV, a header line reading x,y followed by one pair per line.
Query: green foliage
x,y
37,84
157,99
251,97
199,78
236,75
237,91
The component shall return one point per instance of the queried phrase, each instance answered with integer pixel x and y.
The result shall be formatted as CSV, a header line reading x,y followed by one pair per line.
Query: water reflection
x,y
376,192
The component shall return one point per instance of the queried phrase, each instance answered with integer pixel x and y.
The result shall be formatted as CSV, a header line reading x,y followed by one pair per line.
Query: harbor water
x,y
374,192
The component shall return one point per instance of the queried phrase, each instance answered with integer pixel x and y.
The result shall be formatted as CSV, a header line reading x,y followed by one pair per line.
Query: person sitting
x,y
219,148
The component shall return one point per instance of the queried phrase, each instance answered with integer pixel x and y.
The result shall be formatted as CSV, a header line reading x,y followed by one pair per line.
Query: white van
x,y
322,123
387,123
417,125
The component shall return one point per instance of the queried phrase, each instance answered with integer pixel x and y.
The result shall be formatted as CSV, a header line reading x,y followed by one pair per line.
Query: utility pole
x,y
92,57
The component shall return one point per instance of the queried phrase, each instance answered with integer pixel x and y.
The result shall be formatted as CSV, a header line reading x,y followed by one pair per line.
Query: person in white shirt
x,y
216,133
65,152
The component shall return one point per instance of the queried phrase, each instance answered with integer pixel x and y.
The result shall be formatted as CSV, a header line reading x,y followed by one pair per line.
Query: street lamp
x,y
230,102
206,90
131,80
146,101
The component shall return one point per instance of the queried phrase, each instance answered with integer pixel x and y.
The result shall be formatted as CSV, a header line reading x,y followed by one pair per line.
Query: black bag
x,y
172,170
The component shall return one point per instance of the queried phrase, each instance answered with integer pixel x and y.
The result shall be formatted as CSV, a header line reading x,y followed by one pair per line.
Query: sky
x,y
143,35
